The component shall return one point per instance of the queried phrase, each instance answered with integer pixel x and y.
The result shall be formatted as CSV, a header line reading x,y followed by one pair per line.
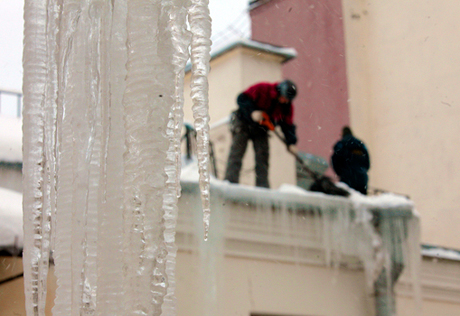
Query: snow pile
x,y
11,234
10,139
382,201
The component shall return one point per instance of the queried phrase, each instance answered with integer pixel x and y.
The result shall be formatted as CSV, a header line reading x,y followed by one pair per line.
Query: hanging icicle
x,y
103,101
200,25
180,38
37,215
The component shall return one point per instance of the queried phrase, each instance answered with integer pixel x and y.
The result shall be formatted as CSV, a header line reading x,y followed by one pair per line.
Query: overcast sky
x,y
223,13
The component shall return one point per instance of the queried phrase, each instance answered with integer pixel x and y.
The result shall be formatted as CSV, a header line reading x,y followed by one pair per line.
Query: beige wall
x,y
247,286
275,288
12,298
403,60
231,74
271,287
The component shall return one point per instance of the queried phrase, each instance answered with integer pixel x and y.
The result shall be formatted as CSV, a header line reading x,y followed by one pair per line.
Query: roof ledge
x,y
286,53
257,3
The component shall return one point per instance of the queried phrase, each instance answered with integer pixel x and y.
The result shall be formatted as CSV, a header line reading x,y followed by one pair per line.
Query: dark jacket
x,y
350,161
264,97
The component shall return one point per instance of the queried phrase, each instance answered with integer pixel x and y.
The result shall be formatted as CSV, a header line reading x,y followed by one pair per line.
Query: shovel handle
x,y
297,157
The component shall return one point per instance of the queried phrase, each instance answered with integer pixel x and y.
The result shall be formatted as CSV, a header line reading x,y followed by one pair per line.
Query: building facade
x,y
390,69
315,30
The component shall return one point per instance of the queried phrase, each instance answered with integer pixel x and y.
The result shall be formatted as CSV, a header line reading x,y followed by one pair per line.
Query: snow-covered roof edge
x,y
296,197
440,252
257,3
286,52
222,121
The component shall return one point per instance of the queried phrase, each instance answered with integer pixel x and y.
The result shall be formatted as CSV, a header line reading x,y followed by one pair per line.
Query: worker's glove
x,y
293,149
257,116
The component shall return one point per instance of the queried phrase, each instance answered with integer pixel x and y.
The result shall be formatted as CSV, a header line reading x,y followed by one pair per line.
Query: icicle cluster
x,y
379,234
103,97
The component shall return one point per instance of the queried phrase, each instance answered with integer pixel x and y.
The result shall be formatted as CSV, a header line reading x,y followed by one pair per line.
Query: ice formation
x,y
200,25
378,234
103,95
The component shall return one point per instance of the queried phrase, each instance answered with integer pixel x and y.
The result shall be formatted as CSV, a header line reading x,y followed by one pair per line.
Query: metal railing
x,y
190,146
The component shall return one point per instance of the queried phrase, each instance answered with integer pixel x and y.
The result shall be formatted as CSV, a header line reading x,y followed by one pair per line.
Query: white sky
x,y
11,34
223,13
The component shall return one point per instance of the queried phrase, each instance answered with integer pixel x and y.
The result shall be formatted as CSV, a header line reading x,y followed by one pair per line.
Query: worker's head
x,y
287,91
346,131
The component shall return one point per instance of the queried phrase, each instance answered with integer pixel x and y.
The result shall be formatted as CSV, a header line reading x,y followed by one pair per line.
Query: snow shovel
x,y
322,184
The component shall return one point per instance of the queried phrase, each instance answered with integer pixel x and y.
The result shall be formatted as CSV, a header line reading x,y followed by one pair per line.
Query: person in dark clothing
x,y
350,161
274,99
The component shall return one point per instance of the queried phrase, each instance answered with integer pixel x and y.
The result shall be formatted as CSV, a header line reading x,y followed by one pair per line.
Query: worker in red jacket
x,y
274,99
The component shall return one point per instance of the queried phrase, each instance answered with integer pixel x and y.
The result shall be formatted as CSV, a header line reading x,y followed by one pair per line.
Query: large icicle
x,y
148,101
64,223
200,25
37,216
110,294
102,122
80,132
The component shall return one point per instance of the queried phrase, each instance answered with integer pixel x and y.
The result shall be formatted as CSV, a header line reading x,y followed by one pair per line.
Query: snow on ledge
x,y
440,253
387,204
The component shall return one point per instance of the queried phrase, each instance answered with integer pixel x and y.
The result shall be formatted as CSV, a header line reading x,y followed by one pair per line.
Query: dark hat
x,y
346,130
287,89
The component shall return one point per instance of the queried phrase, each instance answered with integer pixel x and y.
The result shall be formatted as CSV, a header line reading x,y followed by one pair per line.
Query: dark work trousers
x,y
242,132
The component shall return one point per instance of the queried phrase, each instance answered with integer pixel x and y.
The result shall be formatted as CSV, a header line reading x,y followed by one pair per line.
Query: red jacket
x,y
263,94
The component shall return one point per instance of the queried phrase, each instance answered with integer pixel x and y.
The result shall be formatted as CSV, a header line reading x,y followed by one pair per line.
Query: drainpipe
x,y
385,300
188,140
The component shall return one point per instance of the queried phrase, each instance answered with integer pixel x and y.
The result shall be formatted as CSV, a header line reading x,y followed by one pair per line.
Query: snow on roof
x,y
189,170
10,139
223,121
11,233
393,204
286,52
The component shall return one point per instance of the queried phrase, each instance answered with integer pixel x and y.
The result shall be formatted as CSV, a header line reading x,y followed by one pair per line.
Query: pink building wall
x,y
315,29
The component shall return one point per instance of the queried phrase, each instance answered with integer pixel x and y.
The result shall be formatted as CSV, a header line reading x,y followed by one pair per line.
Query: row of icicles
x,y
103,112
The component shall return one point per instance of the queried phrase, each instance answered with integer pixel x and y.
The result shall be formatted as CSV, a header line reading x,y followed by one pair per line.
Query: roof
x,y
286,53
